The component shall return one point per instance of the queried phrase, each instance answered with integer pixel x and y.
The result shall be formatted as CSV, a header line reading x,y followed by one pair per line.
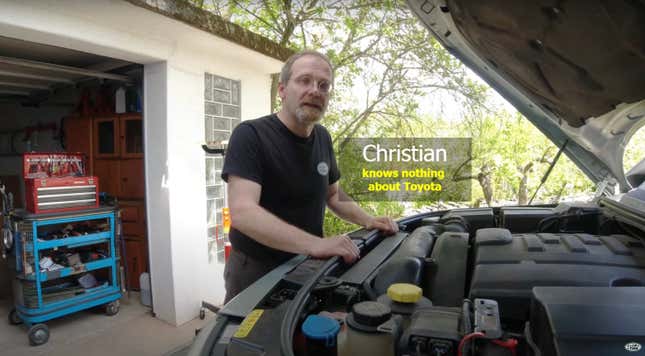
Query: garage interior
x,y
57,100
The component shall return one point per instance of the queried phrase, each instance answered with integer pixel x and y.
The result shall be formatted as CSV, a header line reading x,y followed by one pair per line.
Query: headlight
x,y
7,238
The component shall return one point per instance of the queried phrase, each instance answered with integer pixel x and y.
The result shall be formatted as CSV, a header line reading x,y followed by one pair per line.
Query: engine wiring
x,y
551,221
466,338
510,343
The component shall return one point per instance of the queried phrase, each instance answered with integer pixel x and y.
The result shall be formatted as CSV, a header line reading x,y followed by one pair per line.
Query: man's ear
x,y
281,90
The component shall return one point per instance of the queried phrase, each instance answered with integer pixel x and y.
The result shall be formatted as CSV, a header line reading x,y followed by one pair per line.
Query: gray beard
x,y
305,117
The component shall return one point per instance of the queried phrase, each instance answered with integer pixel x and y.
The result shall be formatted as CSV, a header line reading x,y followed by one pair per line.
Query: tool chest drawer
x,y
48,195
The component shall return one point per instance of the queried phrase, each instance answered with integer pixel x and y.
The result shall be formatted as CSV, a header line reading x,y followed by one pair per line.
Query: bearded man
x,y
282,174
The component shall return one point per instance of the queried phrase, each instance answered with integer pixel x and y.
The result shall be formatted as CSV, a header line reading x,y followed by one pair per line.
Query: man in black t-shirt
x,y
281,174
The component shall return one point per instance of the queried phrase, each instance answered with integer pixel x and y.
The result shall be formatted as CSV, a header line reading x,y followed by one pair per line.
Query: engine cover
x,y
581,321
507,266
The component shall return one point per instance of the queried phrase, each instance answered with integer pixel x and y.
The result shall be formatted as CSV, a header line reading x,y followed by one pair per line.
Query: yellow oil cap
x,y
404,293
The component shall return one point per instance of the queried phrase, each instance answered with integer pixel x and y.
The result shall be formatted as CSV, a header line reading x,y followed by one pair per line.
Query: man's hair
x,y
285,73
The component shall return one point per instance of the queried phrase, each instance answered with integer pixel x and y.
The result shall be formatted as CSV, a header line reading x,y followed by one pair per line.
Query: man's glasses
x,y
305,81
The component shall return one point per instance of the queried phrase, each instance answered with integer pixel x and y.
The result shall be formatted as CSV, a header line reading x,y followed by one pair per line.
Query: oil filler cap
x,y
404,293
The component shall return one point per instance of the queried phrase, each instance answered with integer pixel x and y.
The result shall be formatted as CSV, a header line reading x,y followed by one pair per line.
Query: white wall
x,y
175,57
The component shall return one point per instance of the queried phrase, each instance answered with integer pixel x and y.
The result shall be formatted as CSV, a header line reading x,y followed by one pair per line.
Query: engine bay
x,y
565,280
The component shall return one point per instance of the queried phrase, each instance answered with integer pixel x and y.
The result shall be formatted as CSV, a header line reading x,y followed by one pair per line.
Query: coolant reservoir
x,y
404,299
363,335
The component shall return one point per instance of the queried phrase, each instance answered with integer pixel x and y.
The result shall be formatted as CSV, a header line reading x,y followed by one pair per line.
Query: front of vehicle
x,y
566,279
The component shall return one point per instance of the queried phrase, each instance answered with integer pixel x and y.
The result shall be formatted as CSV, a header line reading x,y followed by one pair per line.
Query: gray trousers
x,y
241,271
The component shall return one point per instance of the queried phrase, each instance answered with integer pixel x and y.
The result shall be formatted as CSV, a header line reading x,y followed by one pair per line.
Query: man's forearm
x,y
347,209
269,230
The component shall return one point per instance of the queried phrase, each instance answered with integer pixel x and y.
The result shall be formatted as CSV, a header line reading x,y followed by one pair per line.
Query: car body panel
x,y
596,143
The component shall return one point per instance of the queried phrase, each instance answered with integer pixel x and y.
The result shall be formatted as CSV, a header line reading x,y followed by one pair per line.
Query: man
x,y
281,173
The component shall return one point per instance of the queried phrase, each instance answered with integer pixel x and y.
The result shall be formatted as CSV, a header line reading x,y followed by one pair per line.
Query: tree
x,y
379,45
376,45
385,65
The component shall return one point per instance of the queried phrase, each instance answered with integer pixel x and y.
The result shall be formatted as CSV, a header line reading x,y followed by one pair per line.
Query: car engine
x,y
565,280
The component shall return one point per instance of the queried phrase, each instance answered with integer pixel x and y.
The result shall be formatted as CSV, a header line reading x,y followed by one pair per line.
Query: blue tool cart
x,y
63,263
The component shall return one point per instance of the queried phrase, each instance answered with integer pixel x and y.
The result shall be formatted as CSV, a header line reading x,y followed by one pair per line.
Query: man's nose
x,y
314,90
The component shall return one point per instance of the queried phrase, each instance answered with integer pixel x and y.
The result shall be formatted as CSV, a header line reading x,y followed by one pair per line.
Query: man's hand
x,y
344,207
383,223
340,245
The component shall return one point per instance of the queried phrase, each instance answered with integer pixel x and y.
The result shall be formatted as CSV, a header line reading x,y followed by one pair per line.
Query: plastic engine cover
x,y
508,266
581,321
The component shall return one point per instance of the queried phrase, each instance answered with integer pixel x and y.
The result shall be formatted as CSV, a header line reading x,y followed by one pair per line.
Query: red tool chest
x,y
54,164
56,182
50,195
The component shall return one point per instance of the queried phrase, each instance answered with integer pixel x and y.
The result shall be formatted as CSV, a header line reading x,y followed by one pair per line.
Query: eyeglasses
x,y
305,81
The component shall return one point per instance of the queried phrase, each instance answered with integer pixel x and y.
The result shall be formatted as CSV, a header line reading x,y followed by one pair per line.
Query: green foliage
x,y
634,150
335,226
387,69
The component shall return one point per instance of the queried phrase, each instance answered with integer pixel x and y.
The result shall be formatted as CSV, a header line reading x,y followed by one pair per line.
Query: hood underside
x,y
577,59
576,69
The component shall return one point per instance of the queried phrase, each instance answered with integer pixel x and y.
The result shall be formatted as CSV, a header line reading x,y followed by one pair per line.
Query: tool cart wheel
x,y
38,334
14,319
202,313
112,308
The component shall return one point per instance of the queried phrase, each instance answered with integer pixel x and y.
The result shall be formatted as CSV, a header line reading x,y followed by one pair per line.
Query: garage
x,y
59,100
71,117
135,92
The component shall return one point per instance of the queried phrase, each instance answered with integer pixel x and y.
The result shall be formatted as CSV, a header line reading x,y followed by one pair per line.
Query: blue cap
x,y
318,327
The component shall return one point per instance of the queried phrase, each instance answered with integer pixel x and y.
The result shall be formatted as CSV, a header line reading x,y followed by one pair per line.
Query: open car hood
x,y
574,69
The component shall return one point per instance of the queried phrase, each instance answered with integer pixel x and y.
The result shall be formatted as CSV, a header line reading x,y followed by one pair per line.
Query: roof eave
x,y
211,23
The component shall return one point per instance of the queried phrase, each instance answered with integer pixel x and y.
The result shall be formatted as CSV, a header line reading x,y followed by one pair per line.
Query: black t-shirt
x,y
294,173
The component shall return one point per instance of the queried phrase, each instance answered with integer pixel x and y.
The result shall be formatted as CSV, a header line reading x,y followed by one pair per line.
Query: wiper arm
x,y
548,171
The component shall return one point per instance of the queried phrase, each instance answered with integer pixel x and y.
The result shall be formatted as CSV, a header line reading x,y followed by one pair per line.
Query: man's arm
x,y
347,209
256,222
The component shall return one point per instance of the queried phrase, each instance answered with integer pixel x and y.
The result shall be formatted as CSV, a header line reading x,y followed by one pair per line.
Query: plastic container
x,y
144,283
362,335
320,333
119,101
404,299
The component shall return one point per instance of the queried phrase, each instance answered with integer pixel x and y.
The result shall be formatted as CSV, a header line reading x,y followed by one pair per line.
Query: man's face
x,y
306,94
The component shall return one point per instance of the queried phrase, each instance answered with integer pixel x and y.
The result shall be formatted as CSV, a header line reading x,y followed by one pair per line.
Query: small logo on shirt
x,y
322,168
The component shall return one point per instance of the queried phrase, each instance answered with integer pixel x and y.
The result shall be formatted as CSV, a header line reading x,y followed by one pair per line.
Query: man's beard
x,y
309,115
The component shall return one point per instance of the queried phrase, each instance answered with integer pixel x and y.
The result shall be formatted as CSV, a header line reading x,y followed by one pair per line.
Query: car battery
x,y
52,195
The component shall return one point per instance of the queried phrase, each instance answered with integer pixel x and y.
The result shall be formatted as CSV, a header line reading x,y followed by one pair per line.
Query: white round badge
x,y
322,168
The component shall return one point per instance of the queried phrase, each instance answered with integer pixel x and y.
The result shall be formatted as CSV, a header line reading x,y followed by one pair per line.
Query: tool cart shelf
x,y
54,261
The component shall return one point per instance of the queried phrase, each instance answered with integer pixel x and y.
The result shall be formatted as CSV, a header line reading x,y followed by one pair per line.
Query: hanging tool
x,y
7,232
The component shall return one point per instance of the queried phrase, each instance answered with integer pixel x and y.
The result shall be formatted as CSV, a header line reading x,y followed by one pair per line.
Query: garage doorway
x,y
54,100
